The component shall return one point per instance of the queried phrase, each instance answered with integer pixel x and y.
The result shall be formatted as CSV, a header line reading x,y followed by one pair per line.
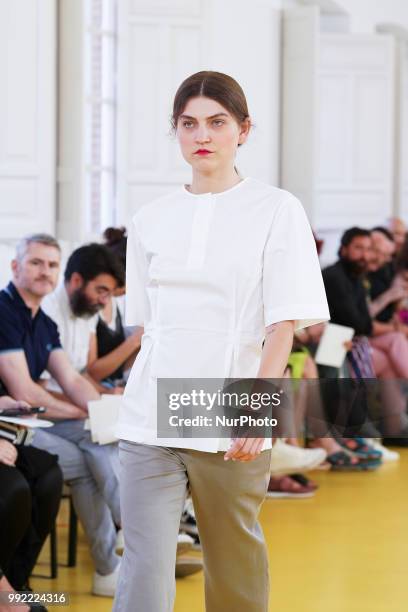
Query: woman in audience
x,y
31,486
117,346
6,590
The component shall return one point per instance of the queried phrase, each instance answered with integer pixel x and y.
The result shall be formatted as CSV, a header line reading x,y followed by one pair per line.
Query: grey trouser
x,y
227,497
91,472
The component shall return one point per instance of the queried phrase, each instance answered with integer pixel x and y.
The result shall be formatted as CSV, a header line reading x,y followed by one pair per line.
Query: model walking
x,y
213,269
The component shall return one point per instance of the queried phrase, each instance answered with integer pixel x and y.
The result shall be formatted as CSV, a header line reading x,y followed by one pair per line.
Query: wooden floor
x,y
345,550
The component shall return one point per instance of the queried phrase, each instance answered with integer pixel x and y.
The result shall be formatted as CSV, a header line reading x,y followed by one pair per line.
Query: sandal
x,y
285,486
302,480
360,448
341,461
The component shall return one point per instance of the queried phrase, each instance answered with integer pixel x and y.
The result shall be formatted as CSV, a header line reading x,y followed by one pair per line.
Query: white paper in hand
x,y
103,415
331,350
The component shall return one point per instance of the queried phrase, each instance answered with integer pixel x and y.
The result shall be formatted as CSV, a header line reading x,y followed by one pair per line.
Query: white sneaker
x,y
120,542
186,566
387,454
105,585
184,543
288,459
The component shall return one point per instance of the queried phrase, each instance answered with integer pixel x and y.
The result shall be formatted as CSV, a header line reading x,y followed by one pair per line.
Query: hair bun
x,y
113,235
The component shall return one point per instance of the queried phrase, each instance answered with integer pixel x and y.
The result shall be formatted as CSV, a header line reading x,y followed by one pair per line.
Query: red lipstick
x,y
202,152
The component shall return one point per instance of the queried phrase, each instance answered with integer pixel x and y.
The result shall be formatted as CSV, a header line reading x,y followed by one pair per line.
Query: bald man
x,y
399,231
382,251
384,289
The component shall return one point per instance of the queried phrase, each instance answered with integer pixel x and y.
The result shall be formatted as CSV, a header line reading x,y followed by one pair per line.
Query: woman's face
x,y
209,135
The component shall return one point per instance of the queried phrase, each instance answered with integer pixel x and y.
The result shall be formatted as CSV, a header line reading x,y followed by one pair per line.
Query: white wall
x,y
27,117
366,14
162,43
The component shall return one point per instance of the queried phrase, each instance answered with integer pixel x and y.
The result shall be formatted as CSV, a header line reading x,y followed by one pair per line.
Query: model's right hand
x,y
244,449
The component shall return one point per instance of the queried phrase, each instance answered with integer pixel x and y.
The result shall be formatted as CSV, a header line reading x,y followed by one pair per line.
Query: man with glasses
x,y
29,345
91,276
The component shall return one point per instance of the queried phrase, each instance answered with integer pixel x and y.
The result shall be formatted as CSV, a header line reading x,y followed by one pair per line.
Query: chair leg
x,y
53,551
73,534
53,555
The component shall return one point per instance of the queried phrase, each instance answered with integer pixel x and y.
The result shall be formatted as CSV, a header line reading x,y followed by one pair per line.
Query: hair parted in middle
x,y
214,85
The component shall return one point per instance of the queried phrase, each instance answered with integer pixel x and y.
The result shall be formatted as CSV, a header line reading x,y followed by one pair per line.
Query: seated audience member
x,y
309,407
116,240
324,427
401,277
117,347
30,485
91,276
30,344
347,298
385,288
343,282
5,590
398,230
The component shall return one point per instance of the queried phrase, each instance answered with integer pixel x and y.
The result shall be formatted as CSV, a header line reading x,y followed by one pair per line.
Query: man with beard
x,y
30,344
347,291
344,285
347,295
92,274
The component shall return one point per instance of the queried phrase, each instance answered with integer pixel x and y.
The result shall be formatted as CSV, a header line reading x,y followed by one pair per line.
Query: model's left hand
x,y
244,449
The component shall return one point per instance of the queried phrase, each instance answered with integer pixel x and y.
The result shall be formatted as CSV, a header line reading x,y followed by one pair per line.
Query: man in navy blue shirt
x,y
29,344
29,339
19,331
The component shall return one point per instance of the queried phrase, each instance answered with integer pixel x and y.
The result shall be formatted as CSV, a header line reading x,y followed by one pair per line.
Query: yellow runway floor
x,y
345,550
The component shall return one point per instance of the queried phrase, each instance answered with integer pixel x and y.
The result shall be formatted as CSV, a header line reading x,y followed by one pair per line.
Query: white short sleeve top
x,y
205,275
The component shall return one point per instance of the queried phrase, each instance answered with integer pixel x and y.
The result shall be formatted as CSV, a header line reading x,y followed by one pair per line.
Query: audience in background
x,y
347,296
76,335
30,344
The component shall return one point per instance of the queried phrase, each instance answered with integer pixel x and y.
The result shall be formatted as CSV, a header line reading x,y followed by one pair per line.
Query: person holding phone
x,y
31,487
22,411
214,268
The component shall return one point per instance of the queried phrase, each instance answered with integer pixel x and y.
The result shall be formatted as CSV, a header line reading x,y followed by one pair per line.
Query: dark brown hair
x,y
116,241
93,259
214,85
113,235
